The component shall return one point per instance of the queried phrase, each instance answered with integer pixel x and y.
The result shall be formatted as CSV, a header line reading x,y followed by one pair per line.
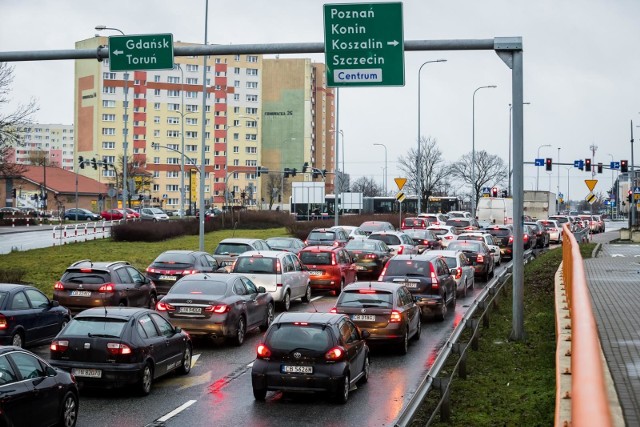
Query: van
x,y
495,210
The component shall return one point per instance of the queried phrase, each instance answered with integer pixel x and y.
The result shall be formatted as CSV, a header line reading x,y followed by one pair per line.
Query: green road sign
x,y
141,52
364,44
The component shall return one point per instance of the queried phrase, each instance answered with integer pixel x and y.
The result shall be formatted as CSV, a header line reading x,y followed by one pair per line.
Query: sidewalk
x,y
613,278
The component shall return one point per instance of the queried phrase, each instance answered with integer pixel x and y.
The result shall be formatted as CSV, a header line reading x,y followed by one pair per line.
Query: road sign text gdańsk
x,y
141,52
364,44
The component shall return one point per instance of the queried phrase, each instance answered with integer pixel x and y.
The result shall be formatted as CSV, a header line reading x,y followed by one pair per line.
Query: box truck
x,y
539,204
495,210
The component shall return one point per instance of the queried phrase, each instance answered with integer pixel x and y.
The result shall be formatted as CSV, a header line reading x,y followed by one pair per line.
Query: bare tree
x,y
136,171
342,182
367,186
490,171
40,158
11,123
274,186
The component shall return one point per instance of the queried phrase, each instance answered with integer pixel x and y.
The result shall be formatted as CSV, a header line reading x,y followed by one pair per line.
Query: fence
x,y
63,234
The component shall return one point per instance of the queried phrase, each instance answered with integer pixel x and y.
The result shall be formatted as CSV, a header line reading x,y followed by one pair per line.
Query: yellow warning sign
x,y
400,182
591,183
591,198
400,196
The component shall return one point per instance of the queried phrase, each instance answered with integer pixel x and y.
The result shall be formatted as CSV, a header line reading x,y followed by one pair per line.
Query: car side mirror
x,y
453,271
261,290
177,329
365,334
55,303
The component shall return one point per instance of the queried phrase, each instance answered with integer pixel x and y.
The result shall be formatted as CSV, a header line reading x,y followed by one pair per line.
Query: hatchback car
x,y
370,256
132,213
479,254
434,218
81,215
289,244
327,236
553,228
542,235
115,215
217,306
459,214
34,393
398,241
153,214
311,352
228,249
117,346
281,274
463,224
171,266
445,232
87,284
488,239
503,236
386,310
353,232
330,267
410,223
28,317
427,277
369,227
461,269
426,238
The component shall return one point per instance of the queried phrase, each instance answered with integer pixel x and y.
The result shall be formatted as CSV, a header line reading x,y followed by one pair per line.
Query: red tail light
x,y
395,317
526,237
278,267
333,259
366,291
163,306
448,237
402,225
480,258
371,256
58,286
434,277
382,273
218,309
118,349
107,288
333,310
3,322
263,351
510,239
59,345
335,354
185,272
458,272
400,250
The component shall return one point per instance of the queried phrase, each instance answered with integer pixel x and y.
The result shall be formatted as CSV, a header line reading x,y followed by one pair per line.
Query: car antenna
x,y
313,305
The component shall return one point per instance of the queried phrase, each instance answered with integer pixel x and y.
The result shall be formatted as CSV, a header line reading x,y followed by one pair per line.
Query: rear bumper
x,y
113,375
202,327
429,304
325,378
330,284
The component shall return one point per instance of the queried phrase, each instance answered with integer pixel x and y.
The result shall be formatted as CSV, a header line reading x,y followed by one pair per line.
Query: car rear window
x,y
87,326
174,260
232,248
561,220
408,267
547,224
440,231
475,238
317,258
365,298
259,265
499,232
94,277
361,245
328,236
288,337
451,261
205,287
465,246
389,239
457,222
412,222
373,227
280,243
3,295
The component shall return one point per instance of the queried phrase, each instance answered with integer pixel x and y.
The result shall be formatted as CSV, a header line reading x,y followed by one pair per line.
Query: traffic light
x,y
629,196
81,162
505,193
105,165
624,166
304,167
287,172
548,164
260,170
599,167
587,165
13,193
94,164
494,192
294,171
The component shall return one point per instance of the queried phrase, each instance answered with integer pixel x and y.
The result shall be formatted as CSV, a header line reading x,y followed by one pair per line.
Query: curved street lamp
x,y
538,168
385,167
473,150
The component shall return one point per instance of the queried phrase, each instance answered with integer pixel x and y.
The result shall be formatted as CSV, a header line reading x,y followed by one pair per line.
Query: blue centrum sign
x,y
364,44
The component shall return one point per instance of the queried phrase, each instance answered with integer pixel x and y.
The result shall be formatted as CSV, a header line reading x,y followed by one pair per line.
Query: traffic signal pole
x,y
632,185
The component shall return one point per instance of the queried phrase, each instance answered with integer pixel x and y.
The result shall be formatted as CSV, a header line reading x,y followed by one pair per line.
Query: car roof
x,y
263,254
387,286
183,251
112,312
394,232
10,286
444,252
239,240
317,318
96,264
320,248
217,277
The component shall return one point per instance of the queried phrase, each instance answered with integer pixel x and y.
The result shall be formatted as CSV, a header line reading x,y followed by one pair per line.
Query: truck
x,y
495,210
539,204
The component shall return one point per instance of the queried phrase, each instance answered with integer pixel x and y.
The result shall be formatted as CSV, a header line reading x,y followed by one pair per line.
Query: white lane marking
x,y
194,359
317,298
176,411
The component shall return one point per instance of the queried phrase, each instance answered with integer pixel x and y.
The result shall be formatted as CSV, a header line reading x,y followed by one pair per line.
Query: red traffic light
x,y
548,164
587,165
494,192
624,166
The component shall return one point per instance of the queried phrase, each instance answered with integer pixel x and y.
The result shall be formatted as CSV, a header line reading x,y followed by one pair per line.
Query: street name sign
x,y
591,183
364,44
141,52
400,182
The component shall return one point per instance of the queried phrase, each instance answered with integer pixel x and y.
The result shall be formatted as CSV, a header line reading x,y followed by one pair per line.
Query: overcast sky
x,y
581,72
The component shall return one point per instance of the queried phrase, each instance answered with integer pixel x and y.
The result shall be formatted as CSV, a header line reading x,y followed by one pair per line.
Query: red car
x,y
115,214
330,267
132,212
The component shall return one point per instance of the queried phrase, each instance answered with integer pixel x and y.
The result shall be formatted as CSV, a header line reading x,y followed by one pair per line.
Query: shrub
x,y
14,275
142,231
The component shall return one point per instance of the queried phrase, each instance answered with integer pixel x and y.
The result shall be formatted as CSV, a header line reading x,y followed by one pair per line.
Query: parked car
x,y
427,277
87,284
387,310
171,266
434,218
398,241
228,249
542,235
28,317
34,393
289,244
553,228
369,256
353,232
81,215
426,238
330,267
463,224
280,273
445,232
410,223
479,254
311,352
117,346
153,214
461,269
134,214
327,236
217,306
115,215
487,238
503,236
369,227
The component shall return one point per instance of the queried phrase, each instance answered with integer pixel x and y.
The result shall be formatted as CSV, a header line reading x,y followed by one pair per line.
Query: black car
x,y
311,352
34,393
426,238
327,237
171,266
369,256
289,244
117,346
427,277
28,317
478,253
218,306
503,236
80,214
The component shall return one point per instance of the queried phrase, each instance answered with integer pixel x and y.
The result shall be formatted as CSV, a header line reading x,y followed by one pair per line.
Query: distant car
x,y
81,215
479,254
461,269
445,232
132,213
398,241
463,224
28,317
289,244
434,219
542,235
116,346
228,249
115,215
459,214
553,228
218,305
327,236
387,310
369,227
353,232
488,239
369,256
330,267
426,238
153,214
171,266
562,219
330,354
503,236
414,223
34,393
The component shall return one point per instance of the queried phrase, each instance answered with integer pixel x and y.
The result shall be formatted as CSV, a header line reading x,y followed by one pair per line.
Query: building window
x,y
108,117
108,131
252,98
252,58
191,95
191,121
252,85
192,67
156,160
193,108
173,160
109,76
173,134
156,133
192,81
156,119
251,124
251,150
236,57
173,174
251,163
108,145
156,92
250,137
236,97
191,148
156,78
236,149
108,103
251,110
173,120
173,107
236,70
172,187
236,162
156,106
191,134
109,89
173,79
252,71
173,93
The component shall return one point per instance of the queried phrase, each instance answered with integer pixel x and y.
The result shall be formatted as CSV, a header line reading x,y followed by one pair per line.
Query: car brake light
x,y
3,322
163,306
218,309
333,310
278,267
510,239
384,270
403,225
395,317
366,291
480,258
526,237
333,258
263,351
335,354
115,348
58,286
185,272
434,277
448,237
400,250
59,345
371,256
458,272
107,288
301,323
85,270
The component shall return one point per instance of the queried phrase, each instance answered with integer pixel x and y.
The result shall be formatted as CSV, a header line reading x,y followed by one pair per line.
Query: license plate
x,y
167,277
315,273
365,317
191,310
411,285
294,369
80,293
360,267
227,262
87,373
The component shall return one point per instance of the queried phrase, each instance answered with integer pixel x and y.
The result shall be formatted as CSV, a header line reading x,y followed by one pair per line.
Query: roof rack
x,y
80,262
117,262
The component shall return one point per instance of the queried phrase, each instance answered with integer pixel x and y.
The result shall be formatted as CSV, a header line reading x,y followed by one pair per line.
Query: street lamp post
x,y
385,167
204,128
613,191
538,167
558,163
418,160
509,160
473,150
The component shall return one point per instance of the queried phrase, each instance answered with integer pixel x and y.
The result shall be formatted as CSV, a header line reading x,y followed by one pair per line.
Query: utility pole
x,y
593,149
632,184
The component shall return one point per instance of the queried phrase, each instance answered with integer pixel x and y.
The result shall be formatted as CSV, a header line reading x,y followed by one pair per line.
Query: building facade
x,y
53,141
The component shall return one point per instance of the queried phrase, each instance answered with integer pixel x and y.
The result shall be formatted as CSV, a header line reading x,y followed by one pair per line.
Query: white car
x,y
461,270
554,229
445,232
434,219
353,232
400,243
153,214
459,214
280,273
488,239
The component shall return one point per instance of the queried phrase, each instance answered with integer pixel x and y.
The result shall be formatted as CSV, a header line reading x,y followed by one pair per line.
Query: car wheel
x,y
443,309
238,338
365,371
339,291
307,294
259,394
144,385
268,318
404,344
17,339
464,290
153,300
342,396
286,302
185,368
416,336
69,413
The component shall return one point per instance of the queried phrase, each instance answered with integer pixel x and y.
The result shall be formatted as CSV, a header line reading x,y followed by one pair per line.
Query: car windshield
x,y
254,264
280,243
205,287
365,298
327,236
91,277
232,248
408,267
316,258
156,211
362,245
389,239
288,337
96,326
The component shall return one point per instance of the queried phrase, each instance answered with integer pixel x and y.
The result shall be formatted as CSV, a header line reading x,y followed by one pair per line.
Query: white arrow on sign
x,y
118,52
393,43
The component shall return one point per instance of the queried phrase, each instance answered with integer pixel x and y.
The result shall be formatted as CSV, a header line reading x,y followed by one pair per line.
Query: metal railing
x,y
63,234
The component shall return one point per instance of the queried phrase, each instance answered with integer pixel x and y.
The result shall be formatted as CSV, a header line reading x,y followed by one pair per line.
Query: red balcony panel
x,y
220,81
221,67
220,107
140,103
220,120
139,130
139,117
139,89
139,143
140,75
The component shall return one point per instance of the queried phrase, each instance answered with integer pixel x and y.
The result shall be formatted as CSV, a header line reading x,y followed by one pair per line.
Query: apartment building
x,y
53,141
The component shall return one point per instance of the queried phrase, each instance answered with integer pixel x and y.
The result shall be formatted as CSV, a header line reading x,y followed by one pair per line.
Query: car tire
x,y
339,291
69,410
285,305
17,340
365,371
185,368
307,294
404,343
416,335
241,330
260,394
146,381
443,310
153,300
268,318
342,396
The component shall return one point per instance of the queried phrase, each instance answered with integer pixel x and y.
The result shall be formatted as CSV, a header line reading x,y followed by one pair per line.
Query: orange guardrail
x,y
588,393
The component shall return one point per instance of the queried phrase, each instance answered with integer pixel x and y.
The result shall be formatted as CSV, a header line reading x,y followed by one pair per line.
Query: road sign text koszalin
x,y
141,52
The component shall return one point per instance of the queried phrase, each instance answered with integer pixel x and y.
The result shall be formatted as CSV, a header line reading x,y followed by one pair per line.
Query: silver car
x,y
461,269
153,214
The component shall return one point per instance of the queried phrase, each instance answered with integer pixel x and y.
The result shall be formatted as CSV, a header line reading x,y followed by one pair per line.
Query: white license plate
x,y
80,293
411,285
365,317
87,373
289,369
315,273
360,267
167,277
191,310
